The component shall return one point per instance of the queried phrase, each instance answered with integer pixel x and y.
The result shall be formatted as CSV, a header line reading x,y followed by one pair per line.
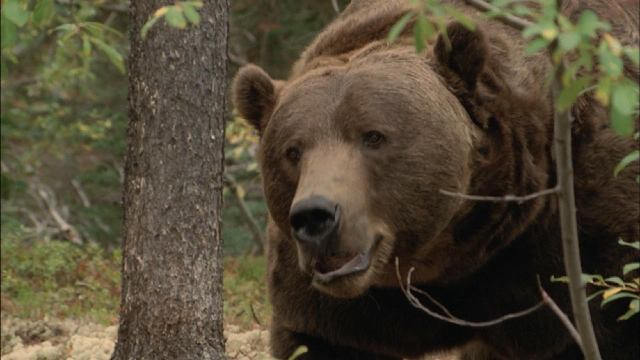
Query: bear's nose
x,y
314,221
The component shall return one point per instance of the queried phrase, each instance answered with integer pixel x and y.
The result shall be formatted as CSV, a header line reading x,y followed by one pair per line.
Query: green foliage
x,y
58,278
245,292
176,16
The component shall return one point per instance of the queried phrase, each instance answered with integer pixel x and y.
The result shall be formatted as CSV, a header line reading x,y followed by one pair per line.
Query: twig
x,y
568,221
450,318
83,196
507,19
336,8
254,227
561,315
506,198
566,195
255,316
70,232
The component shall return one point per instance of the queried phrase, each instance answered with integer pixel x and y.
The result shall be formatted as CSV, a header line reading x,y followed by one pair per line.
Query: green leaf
x,y
611,63
569,40
624,98
86,46
588,23
191,13
630,267
148,25
568,95
113,54
43,11
521,10
65,27
399,26
614,279
299,351
97,27
9,33
634,307
634,156
621,123
14,12
462,18
559,279
588,278
536,45
633,54
500,3
175,18
620,295
594,295
635,244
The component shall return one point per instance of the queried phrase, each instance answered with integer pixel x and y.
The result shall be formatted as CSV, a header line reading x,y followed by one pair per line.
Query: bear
x,y
364,152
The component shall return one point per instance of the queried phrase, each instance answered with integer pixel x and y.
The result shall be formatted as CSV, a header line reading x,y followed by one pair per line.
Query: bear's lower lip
x,y
328,268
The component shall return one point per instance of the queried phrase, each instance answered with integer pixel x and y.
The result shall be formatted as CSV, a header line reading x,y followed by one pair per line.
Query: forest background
x,y
63,124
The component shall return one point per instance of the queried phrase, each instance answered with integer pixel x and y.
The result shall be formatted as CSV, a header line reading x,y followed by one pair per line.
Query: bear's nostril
x,y
314,220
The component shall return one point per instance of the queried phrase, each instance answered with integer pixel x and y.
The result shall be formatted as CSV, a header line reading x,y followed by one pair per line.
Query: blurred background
x,y
63,124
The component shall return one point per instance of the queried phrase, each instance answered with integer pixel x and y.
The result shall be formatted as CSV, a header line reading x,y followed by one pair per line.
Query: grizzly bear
x,y
359,148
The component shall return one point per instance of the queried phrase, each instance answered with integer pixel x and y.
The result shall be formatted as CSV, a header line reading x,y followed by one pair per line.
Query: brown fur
x,y
474,119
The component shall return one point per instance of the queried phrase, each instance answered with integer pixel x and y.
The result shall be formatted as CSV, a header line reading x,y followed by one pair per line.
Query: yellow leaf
x,y
602,97
252,166
237,152
240,191
160,12
610,292
549,34
614,44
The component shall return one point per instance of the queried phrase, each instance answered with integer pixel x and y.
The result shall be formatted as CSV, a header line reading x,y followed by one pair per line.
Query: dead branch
x,y
450,318
507,19
67,229
506,198
561,315
254,227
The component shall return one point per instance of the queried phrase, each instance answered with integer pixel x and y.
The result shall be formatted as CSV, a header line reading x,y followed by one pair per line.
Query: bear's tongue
x,y
326,264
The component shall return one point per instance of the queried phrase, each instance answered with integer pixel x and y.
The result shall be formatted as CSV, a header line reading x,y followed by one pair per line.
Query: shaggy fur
x,y
473,118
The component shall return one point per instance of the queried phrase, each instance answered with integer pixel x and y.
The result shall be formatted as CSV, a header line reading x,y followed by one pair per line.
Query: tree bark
x,y
172,259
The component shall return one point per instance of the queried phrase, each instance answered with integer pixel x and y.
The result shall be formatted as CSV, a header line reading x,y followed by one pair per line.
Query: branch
x,y
258,236
450,318
563,317
507,19
566,195
70,232
506,198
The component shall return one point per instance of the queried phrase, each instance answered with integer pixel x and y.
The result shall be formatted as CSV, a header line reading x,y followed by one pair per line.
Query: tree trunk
x,y
172,258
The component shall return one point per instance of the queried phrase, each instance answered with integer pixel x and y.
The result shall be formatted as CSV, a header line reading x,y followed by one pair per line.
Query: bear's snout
x,y
314,222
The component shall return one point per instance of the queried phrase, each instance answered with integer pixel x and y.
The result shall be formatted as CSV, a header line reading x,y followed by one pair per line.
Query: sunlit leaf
x,y
96,26
634,307
569,40
633,156
630,267
611,292
594,295
588,23
175,18
624,98
15,13
621,123
635,244
191,13
609,62
399,26
614,279
619,295
299,351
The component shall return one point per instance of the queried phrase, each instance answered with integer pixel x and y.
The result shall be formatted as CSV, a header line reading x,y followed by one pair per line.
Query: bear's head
x,y
356,149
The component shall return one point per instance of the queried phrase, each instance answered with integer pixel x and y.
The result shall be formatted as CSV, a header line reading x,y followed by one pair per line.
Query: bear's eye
x,y
373,138
293,154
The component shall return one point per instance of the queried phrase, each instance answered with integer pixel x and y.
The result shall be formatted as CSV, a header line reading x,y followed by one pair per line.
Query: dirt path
x,y
53,339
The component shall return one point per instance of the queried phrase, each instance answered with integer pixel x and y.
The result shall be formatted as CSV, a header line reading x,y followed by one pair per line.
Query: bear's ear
x,y
254,94
466,56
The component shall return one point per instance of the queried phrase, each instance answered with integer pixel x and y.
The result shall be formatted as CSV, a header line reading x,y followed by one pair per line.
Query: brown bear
x,y
356,147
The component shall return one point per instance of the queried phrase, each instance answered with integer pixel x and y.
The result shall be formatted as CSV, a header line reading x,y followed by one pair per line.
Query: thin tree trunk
x,y
172,259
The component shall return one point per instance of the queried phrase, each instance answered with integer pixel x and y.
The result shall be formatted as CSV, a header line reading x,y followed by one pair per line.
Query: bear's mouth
x,y
327,268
